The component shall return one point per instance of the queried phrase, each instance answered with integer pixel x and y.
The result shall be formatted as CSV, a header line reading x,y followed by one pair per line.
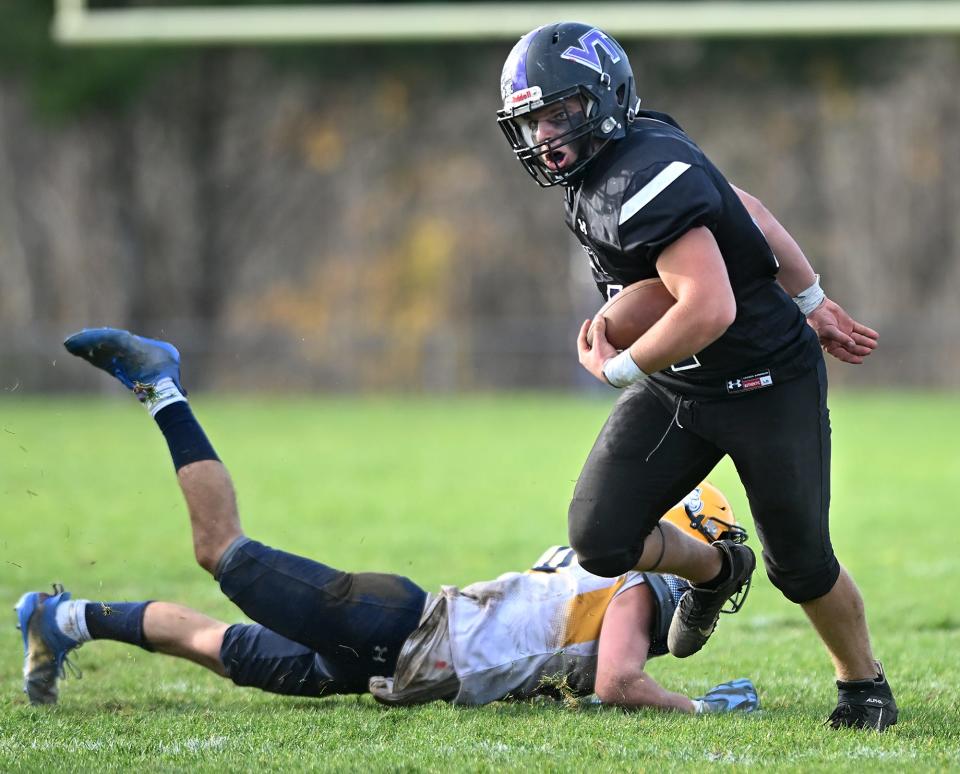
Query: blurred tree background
x,y
349,217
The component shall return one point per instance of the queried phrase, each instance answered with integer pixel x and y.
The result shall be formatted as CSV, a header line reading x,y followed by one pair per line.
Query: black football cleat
x,y
865,704
696,615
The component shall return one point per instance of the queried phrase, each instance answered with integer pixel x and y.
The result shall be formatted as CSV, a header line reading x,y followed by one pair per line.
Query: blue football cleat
x,y
45,647
136,361
734,696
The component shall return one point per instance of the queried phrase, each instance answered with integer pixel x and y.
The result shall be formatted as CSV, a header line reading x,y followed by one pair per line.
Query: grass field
x,y
452,491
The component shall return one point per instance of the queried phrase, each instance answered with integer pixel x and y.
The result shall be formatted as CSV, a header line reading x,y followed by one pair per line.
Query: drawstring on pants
x,y
675,419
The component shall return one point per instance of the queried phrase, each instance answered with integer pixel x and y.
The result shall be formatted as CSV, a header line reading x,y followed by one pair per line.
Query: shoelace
x,y
66,664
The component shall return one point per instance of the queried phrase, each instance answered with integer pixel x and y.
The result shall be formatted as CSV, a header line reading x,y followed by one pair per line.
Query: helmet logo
x,y
588,54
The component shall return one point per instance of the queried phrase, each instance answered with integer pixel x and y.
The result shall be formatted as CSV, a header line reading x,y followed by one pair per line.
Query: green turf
x,y
451,491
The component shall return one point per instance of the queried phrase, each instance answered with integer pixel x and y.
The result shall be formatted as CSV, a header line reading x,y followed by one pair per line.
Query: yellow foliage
x,y
391,302
393,100
323,144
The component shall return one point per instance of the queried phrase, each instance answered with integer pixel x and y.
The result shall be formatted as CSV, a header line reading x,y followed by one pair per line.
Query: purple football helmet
x,y
550,65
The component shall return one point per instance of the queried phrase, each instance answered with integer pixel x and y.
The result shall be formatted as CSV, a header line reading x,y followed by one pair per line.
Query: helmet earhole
x,y
621,93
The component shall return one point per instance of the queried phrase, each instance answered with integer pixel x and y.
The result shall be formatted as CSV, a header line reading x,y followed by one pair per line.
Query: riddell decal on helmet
x,y
523,97
587,54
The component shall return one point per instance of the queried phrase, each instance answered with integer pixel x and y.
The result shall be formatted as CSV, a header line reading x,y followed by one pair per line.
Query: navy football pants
x,y
319,630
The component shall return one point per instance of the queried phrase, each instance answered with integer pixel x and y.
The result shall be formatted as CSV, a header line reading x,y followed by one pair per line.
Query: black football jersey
x,y
642,194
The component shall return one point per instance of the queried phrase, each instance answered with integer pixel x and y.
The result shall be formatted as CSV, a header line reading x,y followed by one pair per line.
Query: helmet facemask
x,y
579,136
713,529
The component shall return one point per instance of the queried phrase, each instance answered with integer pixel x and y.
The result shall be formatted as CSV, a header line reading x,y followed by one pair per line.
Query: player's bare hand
x,y
840,335
594,355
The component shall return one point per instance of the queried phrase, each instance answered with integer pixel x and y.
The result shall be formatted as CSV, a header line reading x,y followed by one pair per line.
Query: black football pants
x,y
657,445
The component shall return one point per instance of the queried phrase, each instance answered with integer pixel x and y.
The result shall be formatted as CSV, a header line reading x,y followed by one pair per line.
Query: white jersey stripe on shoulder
x,y
649,192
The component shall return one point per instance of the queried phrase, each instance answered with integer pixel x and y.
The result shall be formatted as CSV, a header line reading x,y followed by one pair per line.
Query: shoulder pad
x,y
664,201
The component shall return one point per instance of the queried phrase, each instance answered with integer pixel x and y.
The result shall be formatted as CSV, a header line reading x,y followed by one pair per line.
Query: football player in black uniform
x,y
733,368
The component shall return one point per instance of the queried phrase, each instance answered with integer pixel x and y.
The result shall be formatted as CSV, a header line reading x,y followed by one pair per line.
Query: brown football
x,y
631,312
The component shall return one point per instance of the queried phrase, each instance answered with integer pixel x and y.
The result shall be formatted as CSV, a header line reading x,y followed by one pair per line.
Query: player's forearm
x,y
686,328
643,691
796,274
692,269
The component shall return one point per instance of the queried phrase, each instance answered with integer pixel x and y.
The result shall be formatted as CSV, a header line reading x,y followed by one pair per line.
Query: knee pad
x,y
604,557
600,549
609,566
805,582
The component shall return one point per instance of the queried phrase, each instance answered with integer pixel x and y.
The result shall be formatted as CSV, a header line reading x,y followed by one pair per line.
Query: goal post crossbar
x,y
76,24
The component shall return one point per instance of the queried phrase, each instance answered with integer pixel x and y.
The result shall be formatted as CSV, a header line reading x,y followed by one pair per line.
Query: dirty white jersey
x,y
527,632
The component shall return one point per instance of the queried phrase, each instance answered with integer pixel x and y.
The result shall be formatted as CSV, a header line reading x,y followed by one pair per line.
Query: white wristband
x,y
811,298
622,370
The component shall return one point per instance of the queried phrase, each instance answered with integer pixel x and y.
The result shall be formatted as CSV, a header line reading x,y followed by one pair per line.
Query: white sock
x,y
698,708
159,395
72,619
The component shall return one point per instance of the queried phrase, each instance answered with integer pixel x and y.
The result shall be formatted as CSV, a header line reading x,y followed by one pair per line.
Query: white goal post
x,y
75,23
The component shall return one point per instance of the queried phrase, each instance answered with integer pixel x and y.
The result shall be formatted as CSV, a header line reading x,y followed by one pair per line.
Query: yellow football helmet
x,y
706,514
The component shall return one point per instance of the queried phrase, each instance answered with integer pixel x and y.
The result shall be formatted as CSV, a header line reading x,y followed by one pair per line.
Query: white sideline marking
x,y
649,192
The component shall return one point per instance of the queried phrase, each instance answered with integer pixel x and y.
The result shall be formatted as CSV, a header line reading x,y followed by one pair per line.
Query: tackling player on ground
x,y
733,368
321,631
